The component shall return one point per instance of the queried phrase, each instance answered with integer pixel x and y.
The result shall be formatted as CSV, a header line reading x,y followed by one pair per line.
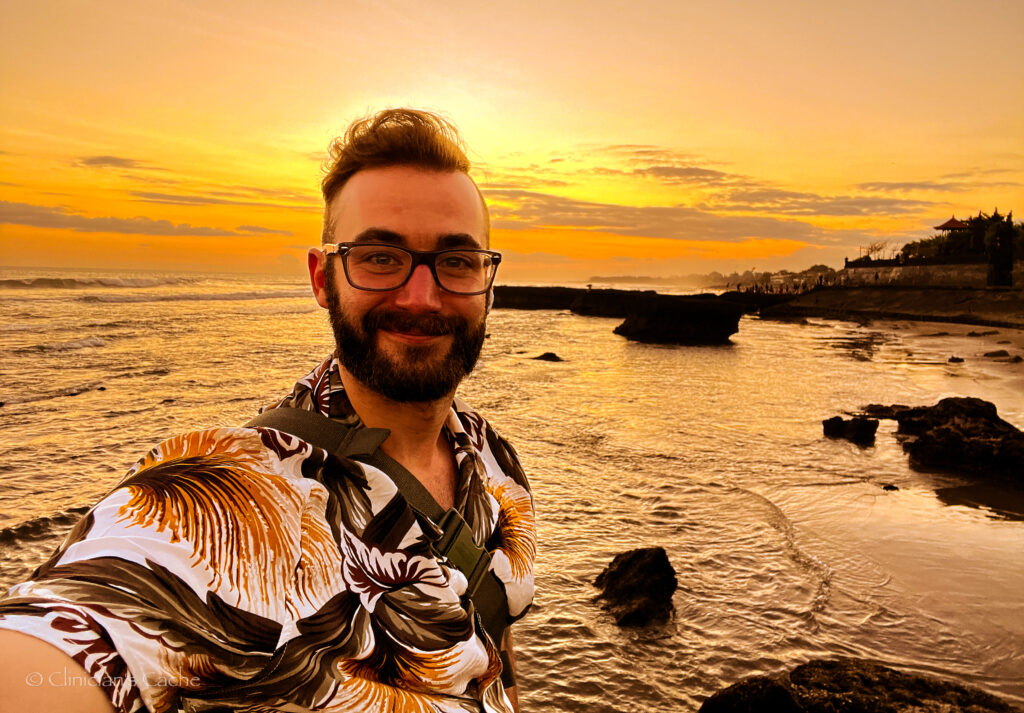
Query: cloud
x,y
260,230
114,162
690,175
206,200
518,209
947,186
909,186
62,219
975,173
778,201
646,154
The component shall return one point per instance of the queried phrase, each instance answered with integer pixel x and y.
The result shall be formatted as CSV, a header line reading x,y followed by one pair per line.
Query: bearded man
x,y
256,568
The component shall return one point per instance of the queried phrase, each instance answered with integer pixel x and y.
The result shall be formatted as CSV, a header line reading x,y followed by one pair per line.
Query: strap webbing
x,y
456,541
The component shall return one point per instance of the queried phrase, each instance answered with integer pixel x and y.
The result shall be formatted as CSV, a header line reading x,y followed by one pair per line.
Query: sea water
x,y
785,543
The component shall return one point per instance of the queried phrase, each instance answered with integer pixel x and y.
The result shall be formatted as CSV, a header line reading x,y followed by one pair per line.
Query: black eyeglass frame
x,y
419,257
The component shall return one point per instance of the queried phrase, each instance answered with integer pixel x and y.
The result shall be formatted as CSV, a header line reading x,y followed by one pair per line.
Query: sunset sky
x,y
610,138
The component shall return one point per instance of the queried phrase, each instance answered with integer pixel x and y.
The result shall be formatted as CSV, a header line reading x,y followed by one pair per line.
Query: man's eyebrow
x,y
379,235
457,240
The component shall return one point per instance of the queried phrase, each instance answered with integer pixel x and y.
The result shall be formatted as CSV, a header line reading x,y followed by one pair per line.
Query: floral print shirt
x,y
245,569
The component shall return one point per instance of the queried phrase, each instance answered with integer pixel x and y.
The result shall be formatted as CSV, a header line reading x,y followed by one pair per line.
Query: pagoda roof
x,y
952,224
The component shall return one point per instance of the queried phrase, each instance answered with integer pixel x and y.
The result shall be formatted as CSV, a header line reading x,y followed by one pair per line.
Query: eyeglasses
x,y
380,267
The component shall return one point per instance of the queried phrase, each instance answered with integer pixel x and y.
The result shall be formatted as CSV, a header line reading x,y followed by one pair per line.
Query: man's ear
x,y
317,262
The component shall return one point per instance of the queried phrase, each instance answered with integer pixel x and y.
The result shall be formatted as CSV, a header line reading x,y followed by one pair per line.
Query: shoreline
x,y
990,308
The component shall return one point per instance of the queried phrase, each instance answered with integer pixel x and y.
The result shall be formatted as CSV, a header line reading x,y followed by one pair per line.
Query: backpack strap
x,y
456,541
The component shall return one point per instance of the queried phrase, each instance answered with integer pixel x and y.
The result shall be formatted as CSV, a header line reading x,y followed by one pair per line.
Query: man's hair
x,y
392,137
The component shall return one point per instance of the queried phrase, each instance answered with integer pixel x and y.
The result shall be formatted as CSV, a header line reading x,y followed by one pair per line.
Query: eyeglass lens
x,y
378,267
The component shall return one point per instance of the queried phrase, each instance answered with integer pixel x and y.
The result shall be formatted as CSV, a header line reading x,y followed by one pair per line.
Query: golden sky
x,y
648,137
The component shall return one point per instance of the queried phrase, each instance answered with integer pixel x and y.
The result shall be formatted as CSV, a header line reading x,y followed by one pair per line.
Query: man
x,y
247,568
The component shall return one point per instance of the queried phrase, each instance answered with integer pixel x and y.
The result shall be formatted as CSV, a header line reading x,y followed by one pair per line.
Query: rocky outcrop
x,y
851,686
548,356
512,297
637,587
753,302
860,430
649,316
611,303
672,319
964,435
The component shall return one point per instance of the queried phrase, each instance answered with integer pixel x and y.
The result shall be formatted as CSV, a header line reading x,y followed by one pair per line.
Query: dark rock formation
x,y
610,303
998,353
650,317
753,302
889,486
956,360
511,297
680,319
986,333
860,430
851,686
965,435
637,587
548,356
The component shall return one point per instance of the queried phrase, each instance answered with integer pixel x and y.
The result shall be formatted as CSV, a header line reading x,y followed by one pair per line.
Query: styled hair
x,y
392,137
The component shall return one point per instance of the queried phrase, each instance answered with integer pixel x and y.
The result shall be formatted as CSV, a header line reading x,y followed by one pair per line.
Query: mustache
x,y
434,325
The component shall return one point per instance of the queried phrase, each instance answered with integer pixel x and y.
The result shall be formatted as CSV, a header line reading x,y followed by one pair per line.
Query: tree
x,y
875,250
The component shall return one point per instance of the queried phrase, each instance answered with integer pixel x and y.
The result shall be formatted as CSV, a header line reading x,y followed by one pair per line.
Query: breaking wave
x,y
73,283
199,296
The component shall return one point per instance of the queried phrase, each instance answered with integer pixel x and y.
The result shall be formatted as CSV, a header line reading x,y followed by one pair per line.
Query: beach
x,y
786,544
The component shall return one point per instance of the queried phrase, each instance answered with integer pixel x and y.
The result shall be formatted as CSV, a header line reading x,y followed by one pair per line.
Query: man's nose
x,y
421,293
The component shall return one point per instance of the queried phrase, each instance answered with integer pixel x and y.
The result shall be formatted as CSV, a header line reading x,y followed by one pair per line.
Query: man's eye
x,y
459,262
379,258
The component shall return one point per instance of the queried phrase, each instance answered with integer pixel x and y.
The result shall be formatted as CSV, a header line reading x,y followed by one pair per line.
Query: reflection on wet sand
x,y
1001,502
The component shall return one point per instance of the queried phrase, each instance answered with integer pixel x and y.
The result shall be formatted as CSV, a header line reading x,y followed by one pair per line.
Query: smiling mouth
x,y
413,336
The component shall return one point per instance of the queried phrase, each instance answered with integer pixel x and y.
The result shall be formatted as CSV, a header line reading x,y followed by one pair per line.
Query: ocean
x,y
785,544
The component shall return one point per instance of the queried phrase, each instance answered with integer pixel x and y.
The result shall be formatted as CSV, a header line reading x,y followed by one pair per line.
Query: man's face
x,y
415,343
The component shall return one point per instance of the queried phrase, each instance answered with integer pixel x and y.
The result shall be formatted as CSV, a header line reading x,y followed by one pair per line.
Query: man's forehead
x,y
403,202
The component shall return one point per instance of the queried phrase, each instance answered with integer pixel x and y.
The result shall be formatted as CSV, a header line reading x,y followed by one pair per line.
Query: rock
x,y
881,411
889,486
637,587
858,429
998,353
845,685
956,360
681,319
756,301
513,297
987,333
965,435
548,356
101,388
1016,359
610,303
937,334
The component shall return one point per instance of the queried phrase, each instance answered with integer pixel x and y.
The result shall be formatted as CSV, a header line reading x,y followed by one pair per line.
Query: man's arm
x,y
37,676
506,646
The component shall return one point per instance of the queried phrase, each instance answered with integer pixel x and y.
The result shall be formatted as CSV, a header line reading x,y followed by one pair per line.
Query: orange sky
x,y
648,138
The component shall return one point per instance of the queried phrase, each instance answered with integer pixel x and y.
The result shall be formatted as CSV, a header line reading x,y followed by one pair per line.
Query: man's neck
x,y
415,441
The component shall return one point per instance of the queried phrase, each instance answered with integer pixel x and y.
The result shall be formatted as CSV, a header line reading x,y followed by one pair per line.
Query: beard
x,y
413,373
